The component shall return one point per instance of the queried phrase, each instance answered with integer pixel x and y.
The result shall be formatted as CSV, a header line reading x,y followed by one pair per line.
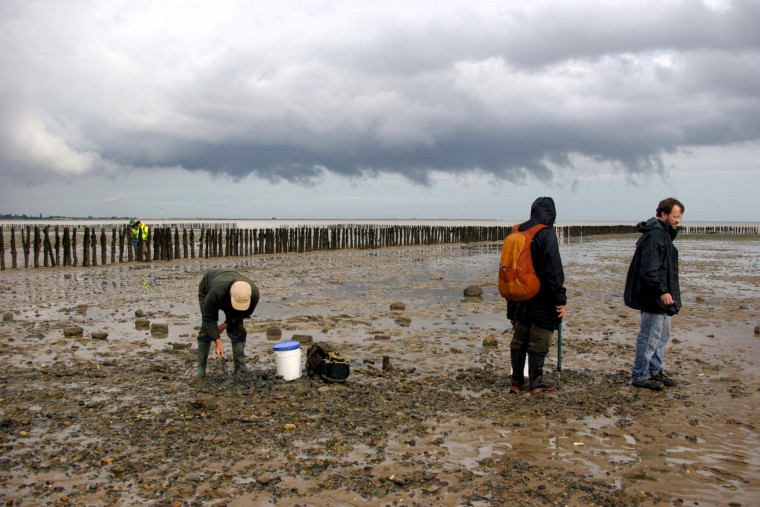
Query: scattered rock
x,y
159,330
403,321
473,291
398,307
382,337
180,346
99,335
7,317
72,331
274,333
139,313
387,366
490,341
303,339
142,324
757,330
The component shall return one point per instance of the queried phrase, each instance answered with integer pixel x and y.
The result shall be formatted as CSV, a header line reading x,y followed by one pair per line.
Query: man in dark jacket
x,y
535,320
235,295
652,287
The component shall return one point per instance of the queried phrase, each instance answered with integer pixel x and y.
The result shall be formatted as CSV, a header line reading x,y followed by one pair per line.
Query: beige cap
x,y
240,295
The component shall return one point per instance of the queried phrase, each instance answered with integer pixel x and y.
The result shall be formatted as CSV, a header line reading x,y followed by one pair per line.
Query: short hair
x,y
666,206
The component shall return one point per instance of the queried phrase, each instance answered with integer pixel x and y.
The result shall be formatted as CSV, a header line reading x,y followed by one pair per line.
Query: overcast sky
x,y
393,109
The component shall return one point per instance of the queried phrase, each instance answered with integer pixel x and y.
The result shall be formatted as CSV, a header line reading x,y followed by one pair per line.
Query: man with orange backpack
x,y
534,320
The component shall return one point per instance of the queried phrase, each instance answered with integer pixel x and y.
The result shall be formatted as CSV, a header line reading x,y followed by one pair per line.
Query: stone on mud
x,y
274,333
403,321
159,330
99,335
303,339
490,341
142,324
473,291
398,307
7,317
72,331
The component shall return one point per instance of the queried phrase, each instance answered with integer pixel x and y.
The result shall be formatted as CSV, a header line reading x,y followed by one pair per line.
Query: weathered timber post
x,y
47,248
147,244
168,234
13,247
103,247
121,244
57,247
176,244
192,243
74,253
94,242
37,246
86,248
113,245
2,251
184,242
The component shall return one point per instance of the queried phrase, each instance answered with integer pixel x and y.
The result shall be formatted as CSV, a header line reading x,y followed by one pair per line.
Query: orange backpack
x,y
517,278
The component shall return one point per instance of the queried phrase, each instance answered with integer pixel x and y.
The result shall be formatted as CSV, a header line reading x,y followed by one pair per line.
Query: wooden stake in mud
x,y
66,247
103,247
94,242
113,246
86,248
74,253
37,246
57,247
13,247
2,251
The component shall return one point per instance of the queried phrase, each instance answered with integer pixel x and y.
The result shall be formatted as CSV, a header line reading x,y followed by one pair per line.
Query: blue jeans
x,y
654,333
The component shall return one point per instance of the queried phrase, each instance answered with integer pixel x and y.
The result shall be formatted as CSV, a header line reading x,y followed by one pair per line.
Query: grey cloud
x,y
516,93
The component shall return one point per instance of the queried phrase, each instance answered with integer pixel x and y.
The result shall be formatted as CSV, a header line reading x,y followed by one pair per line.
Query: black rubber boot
x,y
203,348
517,358
536,371
238,355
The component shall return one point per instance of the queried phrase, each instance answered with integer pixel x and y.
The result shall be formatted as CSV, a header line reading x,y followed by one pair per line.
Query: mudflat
x,y
99,406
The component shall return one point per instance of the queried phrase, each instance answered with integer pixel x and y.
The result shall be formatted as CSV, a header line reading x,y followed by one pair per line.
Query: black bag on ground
x,y
329,365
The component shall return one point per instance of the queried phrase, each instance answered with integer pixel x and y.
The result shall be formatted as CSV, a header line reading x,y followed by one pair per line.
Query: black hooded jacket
x,y
542,309
654,268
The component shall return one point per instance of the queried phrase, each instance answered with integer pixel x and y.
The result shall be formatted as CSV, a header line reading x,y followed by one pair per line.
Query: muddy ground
x,y
120,420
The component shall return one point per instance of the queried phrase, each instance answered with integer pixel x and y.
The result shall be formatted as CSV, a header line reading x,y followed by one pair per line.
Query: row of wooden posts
x,y
163,243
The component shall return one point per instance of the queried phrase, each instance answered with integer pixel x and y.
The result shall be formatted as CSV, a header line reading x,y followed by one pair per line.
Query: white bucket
x,y
287,359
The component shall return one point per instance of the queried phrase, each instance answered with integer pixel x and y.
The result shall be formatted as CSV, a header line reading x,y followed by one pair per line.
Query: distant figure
x,y
138,230
535,320
235,295
652,287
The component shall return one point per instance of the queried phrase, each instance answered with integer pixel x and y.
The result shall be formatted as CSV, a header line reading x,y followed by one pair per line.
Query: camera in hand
x,y
672,309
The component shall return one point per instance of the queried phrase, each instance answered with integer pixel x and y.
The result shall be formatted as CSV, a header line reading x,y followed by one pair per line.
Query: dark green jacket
x,y
214,295
654,268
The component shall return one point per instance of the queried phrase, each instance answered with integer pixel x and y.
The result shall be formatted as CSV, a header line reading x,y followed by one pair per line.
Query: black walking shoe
x,y
650,383
667,381
516,387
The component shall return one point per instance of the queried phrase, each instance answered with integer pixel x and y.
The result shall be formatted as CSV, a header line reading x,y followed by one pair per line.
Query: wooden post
x,y
57,247
184,242
192,243
176,243
66,247
47,248
13,247
74,253
37,246
147,244
113,245
2,251
86,248
121,244
94,243
103,247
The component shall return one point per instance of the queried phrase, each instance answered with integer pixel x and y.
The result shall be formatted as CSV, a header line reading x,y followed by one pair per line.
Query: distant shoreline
x,y
245,223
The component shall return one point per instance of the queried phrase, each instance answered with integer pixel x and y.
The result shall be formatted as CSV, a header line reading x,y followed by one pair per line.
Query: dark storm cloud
x,y
512,89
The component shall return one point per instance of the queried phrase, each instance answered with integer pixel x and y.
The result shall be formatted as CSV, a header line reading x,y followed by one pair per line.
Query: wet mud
x,y
99,406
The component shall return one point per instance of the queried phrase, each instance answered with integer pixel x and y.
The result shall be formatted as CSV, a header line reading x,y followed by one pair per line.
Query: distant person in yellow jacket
x,y
138,230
